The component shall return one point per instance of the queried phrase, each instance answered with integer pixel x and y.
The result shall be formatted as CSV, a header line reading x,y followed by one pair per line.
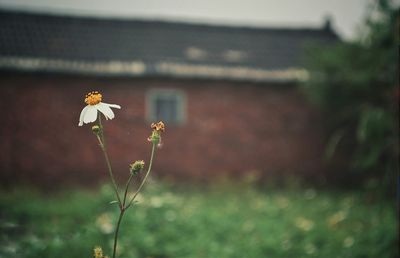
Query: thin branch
x,y
145,177
110,172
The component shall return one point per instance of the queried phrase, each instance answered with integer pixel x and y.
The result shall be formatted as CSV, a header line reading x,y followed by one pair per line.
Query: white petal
x,y
90,115
112,105
83,112
106,110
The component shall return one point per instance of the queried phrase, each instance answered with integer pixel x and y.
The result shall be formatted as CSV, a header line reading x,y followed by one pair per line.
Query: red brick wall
x,y
231,128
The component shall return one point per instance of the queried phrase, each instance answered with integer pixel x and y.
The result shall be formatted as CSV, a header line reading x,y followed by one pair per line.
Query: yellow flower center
x,y
93,98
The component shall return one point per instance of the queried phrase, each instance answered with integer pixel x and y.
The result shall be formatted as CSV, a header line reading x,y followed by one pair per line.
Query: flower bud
x,y
155,136
136,167
159,127
96,129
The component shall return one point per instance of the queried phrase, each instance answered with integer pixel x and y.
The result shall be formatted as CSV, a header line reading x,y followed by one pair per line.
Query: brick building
x,y
228,95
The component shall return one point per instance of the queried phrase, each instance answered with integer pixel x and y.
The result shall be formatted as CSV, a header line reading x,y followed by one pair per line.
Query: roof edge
x,y
137,68
170,21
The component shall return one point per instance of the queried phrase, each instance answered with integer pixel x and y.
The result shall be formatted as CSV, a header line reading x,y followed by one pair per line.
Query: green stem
x,y
126,189
122,211
145,177
123,207
102,131
110,172
121,214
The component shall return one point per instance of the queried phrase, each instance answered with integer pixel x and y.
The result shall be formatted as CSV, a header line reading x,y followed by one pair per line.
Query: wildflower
x,y
159,127
136,167
310,248
104,223
155,136
348,242
282,202
98,252
94,104
337,218
156,202
304,224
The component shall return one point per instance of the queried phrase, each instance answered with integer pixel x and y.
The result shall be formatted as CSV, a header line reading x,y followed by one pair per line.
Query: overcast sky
x,y
346,15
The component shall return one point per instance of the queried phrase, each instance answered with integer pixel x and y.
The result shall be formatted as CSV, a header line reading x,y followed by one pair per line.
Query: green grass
x,y
218,221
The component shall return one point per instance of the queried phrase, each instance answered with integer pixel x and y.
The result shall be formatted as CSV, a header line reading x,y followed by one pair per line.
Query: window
x,y
234,55
195,53
166,105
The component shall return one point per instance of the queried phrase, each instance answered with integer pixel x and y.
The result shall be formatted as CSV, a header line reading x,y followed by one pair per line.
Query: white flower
x,y
94,104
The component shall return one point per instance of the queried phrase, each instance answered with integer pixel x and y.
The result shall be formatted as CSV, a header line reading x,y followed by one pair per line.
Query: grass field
x,y
216,221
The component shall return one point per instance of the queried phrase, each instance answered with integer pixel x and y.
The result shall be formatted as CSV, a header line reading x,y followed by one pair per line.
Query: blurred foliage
x,y
231,220
356,86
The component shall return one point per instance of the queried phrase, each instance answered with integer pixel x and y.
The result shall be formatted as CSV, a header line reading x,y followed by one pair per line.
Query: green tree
x,y
355,84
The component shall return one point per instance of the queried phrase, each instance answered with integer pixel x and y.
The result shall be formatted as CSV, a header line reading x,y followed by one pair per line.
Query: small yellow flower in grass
x,y
336,218
94,104
104,223
310,248
304,224
98,252
348,242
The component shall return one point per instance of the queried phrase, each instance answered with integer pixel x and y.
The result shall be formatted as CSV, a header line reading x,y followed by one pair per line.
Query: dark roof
x,y
31,41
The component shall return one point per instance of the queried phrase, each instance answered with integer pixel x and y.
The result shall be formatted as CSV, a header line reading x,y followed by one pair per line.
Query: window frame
x,y
151,98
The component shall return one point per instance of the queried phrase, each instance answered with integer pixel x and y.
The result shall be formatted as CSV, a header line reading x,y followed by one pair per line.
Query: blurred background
x,y
281,127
